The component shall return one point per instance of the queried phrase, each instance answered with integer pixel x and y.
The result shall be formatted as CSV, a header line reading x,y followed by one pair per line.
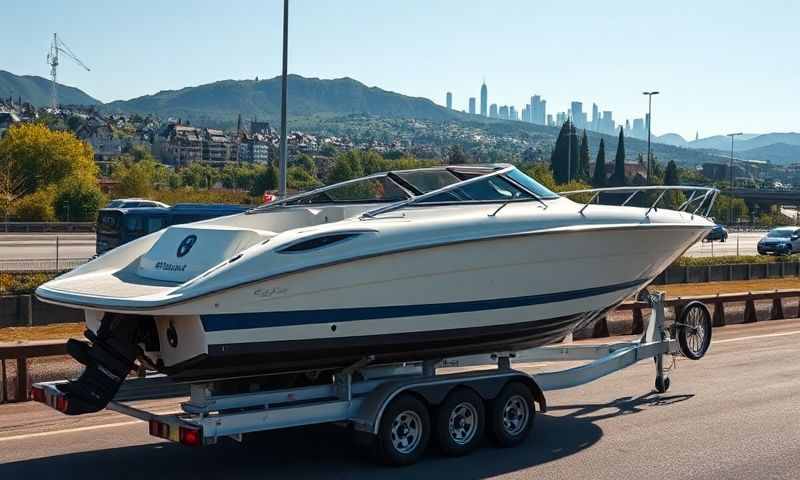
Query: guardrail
x,y
40,265
22,352
728,272
17,227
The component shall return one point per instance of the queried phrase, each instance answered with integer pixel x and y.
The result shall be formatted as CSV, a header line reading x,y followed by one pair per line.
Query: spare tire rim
x,y
695,330
515,415
406,431
463,423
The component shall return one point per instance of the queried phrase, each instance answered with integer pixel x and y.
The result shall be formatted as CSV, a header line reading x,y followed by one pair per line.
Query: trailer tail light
x,y
175,433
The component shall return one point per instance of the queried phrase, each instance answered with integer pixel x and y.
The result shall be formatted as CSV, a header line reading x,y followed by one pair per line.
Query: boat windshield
x,y
367,190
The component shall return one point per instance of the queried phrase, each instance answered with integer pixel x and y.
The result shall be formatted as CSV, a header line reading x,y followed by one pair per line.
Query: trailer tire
x,y
404,432
511,415
460,422
694,331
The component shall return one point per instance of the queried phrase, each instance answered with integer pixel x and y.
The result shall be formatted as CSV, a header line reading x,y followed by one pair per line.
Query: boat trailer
x,y
397,409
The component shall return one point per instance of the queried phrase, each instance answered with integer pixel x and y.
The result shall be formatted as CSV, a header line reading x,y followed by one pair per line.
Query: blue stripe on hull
x,y
239,321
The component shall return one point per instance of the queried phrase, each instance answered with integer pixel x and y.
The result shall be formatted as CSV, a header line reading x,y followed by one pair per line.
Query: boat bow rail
x,y
700,202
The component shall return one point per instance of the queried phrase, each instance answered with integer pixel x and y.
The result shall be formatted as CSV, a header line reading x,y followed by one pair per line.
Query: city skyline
x,y
707,84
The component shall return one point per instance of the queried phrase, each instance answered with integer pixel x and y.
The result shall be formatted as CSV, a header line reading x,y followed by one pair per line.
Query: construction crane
x,y
58,46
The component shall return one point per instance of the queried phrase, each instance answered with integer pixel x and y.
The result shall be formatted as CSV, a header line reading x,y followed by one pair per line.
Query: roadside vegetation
x,y
734,260
22,283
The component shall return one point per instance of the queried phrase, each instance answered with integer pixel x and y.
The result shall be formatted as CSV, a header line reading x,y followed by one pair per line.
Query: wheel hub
x,y
463,423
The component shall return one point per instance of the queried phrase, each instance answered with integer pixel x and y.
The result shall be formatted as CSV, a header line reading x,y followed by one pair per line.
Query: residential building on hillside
x,y
100,136
217,147
179,144
253,148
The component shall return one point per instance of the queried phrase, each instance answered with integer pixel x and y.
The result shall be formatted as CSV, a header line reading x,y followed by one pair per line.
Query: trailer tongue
x,y
391,407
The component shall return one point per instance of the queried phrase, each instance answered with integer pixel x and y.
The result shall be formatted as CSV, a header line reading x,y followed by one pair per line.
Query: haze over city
x,y
697,55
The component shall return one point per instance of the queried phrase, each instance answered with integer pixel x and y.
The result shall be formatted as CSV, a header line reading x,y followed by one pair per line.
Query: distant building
x,y
512,113
578,117
99,134
638,130
504,112
260,127
217,147
526,113
493,111
550,121
6,120
179,144
484,100
595,117
606,123
449,100
538,110
253,148
472,105
561,118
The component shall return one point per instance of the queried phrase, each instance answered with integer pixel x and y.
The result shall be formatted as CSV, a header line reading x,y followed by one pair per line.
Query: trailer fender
x,y
434,390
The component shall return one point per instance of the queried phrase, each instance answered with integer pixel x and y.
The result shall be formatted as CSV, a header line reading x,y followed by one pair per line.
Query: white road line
x,y
69,430
751,337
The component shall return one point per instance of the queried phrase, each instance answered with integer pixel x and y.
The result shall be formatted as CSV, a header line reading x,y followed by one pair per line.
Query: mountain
x,y
36,90
671,139
720,142
780,153
225,100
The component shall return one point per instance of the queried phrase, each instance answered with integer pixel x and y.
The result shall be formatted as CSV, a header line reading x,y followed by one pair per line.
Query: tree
x,y
542,174
599,178
134,179
266,179
347,166
35,207
671,174
559,160
77,201
618,178
34,157
300,179
583,158
456,155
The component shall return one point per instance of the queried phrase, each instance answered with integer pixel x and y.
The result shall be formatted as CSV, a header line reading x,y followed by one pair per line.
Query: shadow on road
x,y
327,451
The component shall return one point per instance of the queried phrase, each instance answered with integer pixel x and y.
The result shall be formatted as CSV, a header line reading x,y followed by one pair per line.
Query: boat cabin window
x,y
489,189
378,189
428,180
530,184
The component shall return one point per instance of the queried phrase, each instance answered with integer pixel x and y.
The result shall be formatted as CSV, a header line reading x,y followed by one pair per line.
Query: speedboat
x,y
397,266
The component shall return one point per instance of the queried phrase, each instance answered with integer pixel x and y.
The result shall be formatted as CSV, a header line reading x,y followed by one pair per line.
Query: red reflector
x,y
153,428
62,404
37,394
190,436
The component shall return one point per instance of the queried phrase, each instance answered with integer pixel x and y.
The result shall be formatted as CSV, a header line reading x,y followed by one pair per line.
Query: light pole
x,y
649,122
284,153
730,201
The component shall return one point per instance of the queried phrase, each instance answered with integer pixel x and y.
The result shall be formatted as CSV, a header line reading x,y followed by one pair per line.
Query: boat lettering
x,y
170,267
269,292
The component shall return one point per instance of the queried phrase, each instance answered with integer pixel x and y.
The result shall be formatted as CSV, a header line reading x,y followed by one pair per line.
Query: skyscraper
x,y
504,112
449,100
538,110
484,100
472,105
493,110
512,113
595,117
550,121
578,118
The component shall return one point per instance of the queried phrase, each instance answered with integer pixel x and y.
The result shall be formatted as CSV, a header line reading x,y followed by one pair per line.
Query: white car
x,y
135,203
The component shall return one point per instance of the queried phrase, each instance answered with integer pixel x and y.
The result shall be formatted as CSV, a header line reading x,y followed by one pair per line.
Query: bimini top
x,y
425,186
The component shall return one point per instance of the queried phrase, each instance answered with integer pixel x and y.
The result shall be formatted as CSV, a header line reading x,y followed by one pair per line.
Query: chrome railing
x,y
700,198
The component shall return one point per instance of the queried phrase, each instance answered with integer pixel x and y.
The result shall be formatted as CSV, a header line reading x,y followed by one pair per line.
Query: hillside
x,y
36,90
780,153
223,101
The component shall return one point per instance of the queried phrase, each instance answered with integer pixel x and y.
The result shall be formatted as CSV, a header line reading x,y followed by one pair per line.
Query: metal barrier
x,y
21,353
40,265
17,227
718,302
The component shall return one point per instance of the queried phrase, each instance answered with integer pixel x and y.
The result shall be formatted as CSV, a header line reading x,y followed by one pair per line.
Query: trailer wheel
x,y
662,384
694,331
460,422
511,415
404,431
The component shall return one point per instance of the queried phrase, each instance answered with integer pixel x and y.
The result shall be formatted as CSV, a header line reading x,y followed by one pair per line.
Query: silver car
x,y
780,241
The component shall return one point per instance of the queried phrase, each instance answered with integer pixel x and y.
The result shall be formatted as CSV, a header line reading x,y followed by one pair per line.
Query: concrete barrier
x,y
17,227
724,273
27,311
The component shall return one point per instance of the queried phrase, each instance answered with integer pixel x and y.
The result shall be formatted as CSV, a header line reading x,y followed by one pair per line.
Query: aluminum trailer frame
x,y
359,394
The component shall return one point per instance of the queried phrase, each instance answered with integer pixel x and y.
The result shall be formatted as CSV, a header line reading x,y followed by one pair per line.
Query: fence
x,y
26,227
723,273
20,354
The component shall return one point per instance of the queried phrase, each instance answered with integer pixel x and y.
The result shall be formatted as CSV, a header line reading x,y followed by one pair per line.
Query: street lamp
x,y
649,122
284,80
730,202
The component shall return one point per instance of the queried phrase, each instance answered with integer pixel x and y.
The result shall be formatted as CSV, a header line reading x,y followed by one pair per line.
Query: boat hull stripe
x,y
240,321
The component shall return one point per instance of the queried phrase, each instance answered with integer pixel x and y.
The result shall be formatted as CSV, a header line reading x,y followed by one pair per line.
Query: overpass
x,y
767,196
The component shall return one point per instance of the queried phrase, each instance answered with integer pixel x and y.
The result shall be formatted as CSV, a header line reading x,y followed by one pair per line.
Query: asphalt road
x,y
734,414
38,250
743,243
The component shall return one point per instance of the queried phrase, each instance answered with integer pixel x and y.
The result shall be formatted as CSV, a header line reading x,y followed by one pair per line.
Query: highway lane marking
x,y
69,430
751,337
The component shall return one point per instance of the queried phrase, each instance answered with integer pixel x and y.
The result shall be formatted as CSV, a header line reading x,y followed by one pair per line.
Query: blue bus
x,y
117,226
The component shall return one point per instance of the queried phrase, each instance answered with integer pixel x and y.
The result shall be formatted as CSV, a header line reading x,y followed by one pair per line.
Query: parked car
x,y
135,203
717,233
780,241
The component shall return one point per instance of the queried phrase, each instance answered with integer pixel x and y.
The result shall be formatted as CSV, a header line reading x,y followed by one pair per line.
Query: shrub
x,y
21,284
78,201
732,260
36,207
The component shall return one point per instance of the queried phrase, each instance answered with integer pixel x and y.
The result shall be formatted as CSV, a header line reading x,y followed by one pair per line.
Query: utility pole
x,y
284,84
730,202
649,122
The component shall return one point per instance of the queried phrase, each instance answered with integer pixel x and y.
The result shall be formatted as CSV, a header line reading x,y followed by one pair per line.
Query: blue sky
x,y
721,66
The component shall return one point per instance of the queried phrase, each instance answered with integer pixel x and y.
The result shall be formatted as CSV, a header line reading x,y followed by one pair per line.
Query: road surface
x,y
734,414
37,251
742,243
